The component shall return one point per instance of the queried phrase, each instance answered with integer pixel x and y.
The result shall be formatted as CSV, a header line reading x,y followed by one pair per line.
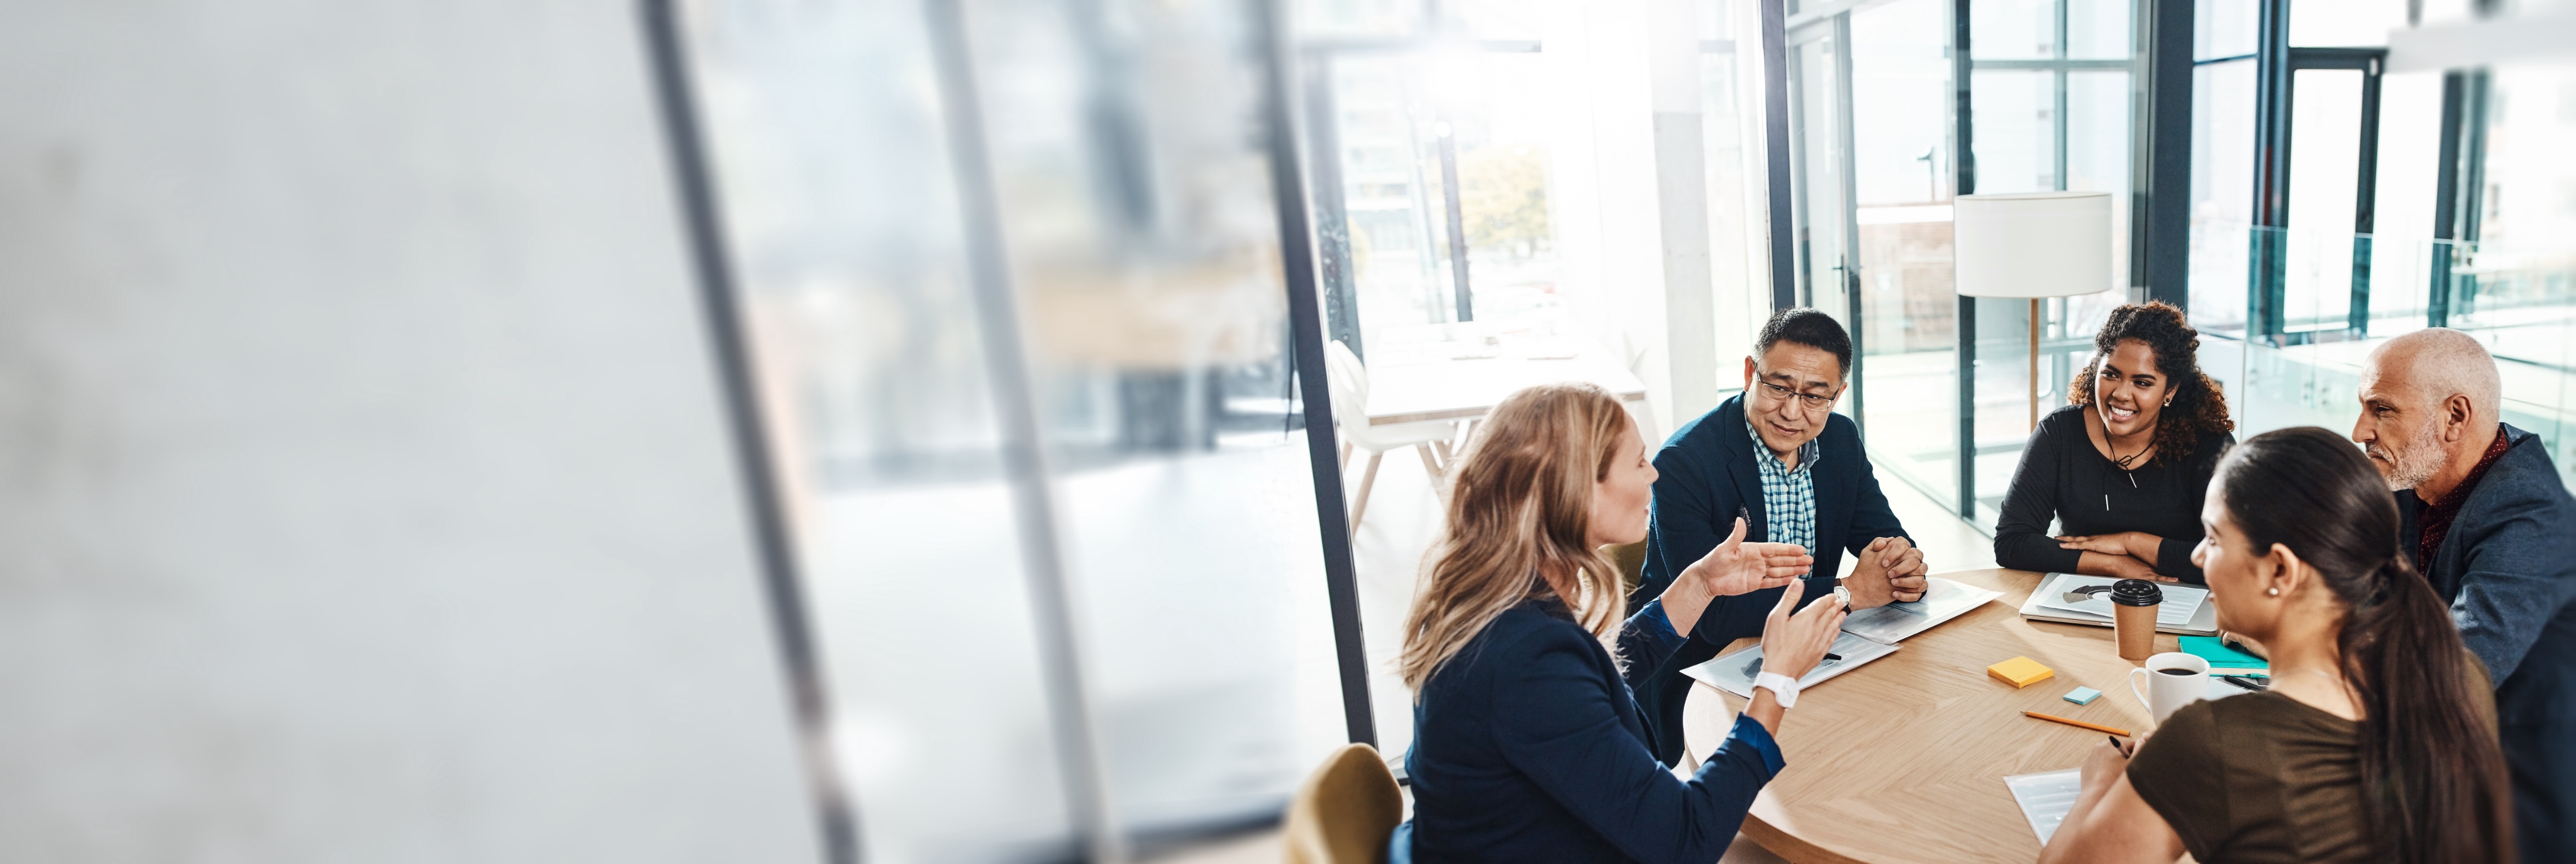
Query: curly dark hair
x,y
2199,408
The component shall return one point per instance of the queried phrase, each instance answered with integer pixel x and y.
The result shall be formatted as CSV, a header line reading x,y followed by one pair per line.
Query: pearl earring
x,y
2276,592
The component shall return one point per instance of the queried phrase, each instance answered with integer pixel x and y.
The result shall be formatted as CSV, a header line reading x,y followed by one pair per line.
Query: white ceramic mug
x,y
2188,682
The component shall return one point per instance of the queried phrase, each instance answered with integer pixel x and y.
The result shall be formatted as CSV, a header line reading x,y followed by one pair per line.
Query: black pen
x,y
2115,745
1832,656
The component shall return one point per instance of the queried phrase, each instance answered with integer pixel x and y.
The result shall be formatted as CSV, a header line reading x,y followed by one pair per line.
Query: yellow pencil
x,y
2097,727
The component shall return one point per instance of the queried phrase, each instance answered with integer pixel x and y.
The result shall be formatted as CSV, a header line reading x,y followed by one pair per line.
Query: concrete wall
x,y
363,489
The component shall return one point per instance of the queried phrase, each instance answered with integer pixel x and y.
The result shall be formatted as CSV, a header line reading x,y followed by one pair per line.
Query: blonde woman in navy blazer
x,y
1528,744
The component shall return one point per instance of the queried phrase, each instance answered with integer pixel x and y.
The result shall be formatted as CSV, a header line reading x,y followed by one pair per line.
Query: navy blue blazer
x,y
1707,476
2508,569
1528,747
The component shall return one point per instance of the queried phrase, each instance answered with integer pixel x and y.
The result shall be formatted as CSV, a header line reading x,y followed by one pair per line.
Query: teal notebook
x,y
2219,655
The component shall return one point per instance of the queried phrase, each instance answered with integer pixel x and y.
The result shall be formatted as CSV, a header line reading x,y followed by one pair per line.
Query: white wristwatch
x,y
1782,686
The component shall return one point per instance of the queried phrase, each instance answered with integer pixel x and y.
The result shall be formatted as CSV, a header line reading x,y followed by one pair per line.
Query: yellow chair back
x,y
1345,811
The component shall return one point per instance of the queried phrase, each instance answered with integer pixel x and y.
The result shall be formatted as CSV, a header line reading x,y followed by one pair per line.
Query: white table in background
x,y
1463,380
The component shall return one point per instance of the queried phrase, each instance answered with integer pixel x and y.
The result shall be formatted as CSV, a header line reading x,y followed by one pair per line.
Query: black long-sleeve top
x,y
2063,478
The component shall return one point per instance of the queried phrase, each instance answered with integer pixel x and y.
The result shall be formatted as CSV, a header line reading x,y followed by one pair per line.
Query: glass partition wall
x,y
1009,287
2381,201
1904,176
1872,174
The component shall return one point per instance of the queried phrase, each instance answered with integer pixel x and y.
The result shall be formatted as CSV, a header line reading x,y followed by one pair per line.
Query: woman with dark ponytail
x,y
2377,740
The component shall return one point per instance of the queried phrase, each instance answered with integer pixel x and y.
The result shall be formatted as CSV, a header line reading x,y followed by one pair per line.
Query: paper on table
x,y
2046,797
1734,673
2181,601
1942,600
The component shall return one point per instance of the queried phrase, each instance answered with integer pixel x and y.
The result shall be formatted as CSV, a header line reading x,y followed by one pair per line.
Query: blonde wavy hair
x,y
1520,513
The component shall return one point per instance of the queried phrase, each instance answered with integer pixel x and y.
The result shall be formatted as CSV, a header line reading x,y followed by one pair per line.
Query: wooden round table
x,y
1903,759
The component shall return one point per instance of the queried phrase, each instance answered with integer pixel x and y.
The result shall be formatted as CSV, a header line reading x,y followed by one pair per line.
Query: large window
x,y
1731,127
2223,87
1426,134
1873,108
1499,186
2338,201
2051,94
1904,175
2515,283
1433,168
1872,171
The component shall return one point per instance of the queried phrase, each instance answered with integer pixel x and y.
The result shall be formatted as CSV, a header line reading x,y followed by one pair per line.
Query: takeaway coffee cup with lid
x,y
2134,603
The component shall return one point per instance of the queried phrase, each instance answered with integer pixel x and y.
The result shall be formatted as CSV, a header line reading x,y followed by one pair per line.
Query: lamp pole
x,y
2034,363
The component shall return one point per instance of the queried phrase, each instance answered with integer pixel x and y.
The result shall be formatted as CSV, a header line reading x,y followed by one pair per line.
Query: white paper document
x,y
2080,596
1734,673
1942,600
2046,797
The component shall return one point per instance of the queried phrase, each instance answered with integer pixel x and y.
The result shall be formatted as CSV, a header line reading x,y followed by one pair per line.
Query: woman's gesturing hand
x,y
1736,567
1792,645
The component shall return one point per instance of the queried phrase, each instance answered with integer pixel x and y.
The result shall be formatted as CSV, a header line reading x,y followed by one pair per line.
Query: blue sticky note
x,y
2083,695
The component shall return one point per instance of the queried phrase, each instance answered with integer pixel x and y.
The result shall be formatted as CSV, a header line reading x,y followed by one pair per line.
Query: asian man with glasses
x,y
1779,458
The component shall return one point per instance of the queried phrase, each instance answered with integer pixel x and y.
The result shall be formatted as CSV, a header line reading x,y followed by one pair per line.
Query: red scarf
x,y
2437,518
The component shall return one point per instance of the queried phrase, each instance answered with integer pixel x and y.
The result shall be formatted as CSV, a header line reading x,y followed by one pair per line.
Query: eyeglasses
x,y
1811,402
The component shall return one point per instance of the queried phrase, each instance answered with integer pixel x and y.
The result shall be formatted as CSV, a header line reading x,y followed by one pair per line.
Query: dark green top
x,y
2258,778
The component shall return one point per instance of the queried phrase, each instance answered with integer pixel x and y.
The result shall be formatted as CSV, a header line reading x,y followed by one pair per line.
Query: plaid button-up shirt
x,y
1788,494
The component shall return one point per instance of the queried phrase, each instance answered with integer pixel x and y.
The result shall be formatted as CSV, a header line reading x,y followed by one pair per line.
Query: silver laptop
x,y
2072,598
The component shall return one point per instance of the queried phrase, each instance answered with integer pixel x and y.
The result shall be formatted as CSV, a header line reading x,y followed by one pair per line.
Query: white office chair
x,y
1349,381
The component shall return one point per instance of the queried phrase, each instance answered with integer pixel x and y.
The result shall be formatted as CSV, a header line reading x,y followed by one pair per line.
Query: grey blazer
x,y
2508,569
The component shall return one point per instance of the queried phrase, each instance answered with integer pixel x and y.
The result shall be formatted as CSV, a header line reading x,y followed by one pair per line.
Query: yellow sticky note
x,y
2020,672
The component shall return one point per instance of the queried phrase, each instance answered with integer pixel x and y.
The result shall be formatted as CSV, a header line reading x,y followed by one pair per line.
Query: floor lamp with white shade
x,y
2032,245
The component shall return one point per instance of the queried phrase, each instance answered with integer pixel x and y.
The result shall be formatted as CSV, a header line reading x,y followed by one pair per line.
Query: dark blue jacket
x,y
2508,569
1528,747
1707,476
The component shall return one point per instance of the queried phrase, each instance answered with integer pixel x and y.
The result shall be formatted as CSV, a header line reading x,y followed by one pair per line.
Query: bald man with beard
x,y
2490,524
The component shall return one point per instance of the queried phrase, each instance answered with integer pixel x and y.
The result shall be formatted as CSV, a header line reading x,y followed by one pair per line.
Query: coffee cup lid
x,y
2136,592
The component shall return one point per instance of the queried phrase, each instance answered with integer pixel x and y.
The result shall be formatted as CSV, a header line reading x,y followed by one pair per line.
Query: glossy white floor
x,y
1402,521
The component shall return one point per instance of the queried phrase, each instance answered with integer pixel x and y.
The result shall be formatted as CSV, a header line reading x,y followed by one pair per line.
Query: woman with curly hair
x,y
2122,470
